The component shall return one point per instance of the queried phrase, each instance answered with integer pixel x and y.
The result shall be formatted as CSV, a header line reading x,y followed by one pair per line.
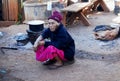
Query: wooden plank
x,y
75,7
84,19
105,8
17,12
5,9
11,9
64,18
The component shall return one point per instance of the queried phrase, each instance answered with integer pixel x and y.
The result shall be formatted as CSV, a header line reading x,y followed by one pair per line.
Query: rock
x,y
1,34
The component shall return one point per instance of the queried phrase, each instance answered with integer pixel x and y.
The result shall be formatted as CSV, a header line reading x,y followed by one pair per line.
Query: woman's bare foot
x,y
57,64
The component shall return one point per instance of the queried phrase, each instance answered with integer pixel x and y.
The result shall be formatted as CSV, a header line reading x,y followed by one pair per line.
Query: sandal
x,y
49,62
54,66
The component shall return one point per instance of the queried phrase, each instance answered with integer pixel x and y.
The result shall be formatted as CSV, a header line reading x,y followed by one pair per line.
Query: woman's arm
x,y
37,42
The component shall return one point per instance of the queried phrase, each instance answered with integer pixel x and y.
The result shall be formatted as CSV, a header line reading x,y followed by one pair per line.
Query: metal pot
x,y
33,35
36,25
22,39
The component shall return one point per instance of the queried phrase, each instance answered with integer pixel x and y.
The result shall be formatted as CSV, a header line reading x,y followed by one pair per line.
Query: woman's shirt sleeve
x,y
45,34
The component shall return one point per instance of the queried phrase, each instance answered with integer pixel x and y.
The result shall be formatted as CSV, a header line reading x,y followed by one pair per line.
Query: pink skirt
x,y
44,54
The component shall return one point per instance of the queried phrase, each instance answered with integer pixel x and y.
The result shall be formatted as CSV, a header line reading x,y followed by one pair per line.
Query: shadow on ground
x,y
80,54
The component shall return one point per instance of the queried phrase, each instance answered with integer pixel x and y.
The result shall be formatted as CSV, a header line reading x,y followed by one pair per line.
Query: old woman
x,y
59,46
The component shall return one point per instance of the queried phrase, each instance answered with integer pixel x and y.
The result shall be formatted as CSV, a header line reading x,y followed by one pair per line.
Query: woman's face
x,y
53,25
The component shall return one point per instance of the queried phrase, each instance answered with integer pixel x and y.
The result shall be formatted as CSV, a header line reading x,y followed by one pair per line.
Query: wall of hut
x,y
9,10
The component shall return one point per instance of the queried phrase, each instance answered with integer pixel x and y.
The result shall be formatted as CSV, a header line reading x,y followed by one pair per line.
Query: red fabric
x,y
43,54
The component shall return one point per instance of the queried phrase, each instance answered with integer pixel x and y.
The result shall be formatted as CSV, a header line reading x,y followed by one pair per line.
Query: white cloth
x,y
49,5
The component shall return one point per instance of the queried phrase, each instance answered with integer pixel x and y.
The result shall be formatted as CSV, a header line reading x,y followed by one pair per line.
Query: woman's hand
x,y
35,46
35,49
42,42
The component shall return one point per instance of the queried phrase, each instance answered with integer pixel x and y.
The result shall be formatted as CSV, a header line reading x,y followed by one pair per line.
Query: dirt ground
x,y
94,60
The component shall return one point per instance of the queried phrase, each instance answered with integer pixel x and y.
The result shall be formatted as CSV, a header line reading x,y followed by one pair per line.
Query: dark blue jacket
x,y
62,40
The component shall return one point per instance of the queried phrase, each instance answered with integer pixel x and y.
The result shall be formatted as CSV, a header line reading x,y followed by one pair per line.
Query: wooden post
x,y
5,10
64,18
